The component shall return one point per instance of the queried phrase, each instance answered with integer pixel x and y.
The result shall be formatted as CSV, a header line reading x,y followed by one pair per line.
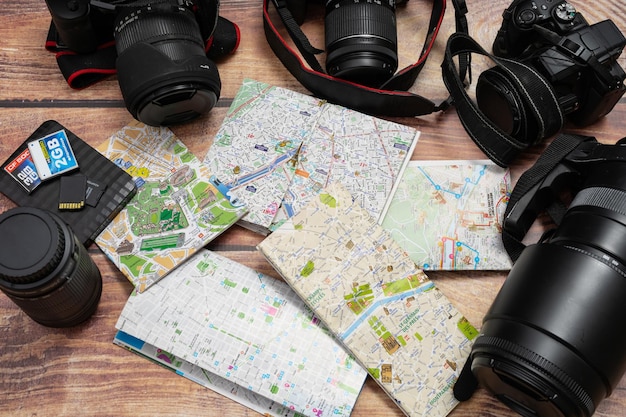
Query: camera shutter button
x,y
526,17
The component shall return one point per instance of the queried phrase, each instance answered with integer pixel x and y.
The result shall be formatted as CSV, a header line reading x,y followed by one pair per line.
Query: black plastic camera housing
x,y
577,60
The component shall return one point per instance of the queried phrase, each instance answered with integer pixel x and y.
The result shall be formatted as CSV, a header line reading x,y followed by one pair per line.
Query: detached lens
x,y
163,71
361,41
45,270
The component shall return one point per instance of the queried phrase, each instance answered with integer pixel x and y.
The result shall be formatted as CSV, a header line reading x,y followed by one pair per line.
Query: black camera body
x,y
361,38
578,61
516,32
164,74
551,343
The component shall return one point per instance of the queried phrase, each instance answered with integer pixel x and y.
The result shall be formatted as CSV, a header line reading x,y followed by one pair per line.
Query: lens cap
x,y
31,246
176,104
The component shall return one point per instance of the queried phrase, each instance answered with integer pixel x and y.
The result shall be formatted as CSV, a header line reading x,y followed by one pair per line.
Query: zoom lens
x,y
45,270
552,344
163,71
361,40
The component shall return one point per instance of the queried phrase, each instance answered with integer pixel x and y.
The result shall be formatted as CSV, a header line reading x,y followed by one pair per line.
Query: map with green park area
x,y
179,206
377,302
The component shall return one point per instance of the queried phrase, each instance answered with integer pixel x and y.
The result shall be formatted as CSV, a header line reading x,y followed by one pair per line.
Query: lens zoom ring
x,y
539,363
152,27
603,197
60,308
361,19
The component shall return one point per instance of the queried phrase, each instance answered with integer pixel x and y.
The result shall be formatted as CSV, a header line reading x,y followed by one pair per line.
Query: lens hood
x,y
166,92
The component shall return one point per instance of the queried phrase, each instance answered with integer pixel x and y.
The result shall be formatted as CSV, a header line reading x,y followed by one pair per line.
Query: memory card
x,y
72,192
94,191
23,170
52,155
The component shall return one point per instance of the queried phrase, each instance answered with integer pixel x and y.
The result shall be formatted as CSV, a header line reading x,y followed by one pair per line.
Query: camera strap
x,y
524,205
499,146
83,70
392,98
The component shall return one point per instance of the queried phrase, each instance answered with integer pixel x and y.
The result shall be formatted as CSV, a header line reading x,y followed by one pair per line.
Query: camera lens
x,y
361,41
163,71
498,98
45,270
552,342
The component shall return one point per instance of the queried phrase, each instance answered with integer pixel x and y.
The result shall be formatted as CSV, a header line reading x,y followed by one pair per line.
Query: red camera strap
x,y
392,99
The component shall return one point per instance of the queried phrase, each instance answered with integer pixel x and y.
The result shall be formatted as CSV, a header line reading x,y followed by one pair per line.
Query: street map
x,y
179,207
371,295
448,215
245,335
277,148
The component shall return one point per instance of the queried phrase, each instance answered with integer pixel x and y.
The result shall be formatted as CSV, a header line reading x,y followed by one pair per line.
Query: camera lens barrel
x,y
163,71
45,270
552,343
361,41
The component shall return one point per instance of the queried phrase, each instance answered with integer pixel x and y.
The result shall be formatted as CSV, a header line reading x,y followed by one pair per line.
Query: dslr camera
x,y
361,38
552,343
577,60
163,71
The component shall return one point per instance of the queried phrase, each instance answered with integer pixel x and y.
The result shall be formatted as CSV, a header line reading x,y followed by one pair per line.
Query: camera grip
x,y
73,24
538,190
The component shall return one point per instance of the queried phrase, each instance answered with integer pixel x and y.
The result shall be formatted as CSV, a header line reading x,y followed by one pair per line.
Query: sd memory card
x,y
72,192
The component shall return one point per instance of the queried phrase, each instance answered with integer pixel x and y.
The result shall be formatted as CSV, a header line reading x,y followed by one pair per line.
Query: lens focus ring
x,y
145,25
544,370
365,20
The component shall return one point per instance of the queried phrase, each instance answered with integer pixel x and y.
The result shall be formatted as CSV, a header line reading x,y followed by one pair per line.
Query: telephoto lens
x,y
45,270
552,343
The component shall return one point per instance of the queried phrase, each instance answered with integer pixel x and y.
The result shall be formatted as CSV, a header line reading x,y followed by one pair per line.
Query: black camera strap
x,y
512,237
499,146
560,147
83,70
391,99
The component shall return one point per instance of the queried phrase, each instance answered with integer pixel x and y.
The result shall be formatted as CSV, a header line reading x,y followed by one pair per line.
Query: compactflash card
x,y
52,155
23,170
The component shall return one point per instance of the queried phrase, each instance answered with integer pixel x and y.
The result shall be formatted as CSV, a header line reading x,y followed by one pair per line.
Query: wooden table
x,y
78,371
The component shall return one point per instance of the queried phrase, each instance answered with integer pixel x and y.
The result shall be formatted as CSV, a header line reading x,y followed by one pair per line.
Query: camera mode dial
x,y
565,12
537,12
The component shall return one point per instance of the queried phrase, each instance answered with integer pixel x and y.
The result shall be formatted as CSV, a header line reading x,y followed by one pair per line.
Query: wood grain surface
x,y
78,371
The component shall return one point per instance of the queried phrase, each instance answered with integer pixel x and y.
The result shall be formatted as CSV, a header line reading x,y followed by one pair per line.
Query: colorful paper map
x,y
448,214
372,296
277,148
207,379
248,329
179,206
